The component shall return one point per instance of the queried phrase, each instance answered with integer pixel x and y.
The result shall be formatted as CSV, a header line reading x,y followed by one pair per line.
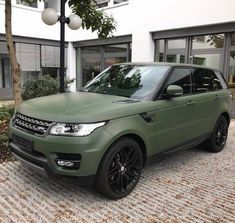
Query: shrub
x,y
43,86
6,113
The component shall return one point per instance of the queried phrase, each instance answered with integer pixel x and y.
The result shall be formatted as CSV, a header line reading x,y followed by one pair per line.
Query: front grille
x,y
31,125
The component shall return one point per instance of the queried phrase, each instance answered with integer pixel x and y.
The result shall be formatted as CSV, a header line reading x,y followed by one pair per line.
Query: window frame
x,y
159,93
194,84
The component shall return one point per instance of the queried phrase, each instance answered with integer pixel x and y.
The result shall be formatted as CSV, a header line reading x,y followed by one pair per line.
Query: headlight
x,y
74,129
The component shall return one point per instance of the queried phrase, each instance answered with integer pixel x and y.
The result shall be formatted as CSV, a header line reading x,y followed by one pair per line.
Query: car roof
x,y
167,64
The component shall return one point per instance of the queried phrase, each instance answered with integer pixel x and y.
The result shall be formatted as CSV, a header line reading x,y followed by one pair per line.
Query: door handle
x,y
190,103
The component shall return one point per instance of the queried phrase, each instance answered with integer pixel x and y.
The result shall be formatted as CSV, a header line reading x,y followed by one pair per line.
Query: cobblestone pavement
x,y
188,186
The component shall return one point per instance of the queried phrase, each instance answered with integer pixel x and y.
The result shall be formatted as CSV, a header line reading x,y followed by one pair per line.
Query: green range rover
x,y
128,116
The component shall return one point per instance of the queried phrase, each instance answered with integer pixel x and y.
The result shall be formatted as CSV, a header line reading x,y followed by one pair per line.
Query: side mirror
x,y
174,91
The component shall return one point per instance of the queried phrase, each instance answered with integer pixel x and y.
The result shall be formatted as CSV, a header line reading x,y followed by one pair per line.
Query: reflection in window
x,y
176,43
205,80
115,54
97,58
175,58
209,60
25,3
137,82
182,78
210,41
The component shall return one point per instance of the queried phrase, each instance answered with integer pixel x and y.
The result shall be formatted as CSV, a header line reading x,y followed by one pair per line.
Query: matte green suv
x,y
126,117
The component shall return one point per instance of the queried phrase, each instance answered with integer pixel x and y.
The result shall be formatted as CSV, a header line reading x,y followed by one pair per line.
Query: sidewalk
x,y
188,186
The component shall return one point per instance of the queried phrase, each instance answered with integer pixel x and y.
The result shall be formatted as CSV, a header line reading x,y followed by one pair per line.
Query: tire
x,y
219,135
120,169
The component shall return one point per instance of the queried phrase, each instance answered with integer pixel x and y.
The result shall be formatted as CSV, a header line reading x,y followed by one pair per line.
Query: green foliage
x,y
43,86
96,20
6,113
93,19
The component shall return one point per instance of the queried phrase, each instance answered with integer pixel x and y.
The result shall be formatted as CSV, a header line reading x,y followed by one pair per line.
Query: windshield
x,y
132,81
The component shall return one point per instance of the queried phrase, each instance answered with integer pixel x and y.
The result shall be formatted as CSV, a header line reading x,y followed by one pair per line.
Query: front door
x,y
172,124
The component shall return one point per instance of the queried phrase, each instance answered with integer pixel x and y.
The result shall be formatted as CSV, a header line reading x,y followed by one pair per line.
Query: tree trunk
x,y
15,66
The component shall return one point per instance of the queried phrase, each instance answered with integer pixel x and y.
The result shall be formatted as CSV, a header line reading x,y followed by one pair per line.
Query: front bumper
x,y
46,149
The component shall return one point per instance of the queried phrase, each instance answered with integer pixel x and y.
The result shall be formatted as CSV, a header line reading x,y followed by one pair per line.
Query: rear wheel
x,y
218,137
120,169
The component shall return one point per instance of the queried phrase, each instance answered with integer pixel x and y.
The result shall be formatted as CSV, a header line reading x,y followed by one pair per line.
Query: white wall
x,y
139,18
136,17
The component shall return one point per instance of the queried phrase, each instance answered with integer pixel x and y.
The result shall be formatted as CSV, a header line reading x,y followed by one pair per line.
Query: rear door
x,y
207,91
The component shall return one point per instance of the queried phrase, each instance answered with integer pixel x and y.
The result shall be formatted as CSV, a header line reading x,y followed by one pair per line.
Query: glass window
x,y
97,58
22,2
115,54
28,56
137,82
119,1
52,4
175,58
159,48
176,43
233,39
5,72
205,80
231,80
91,63
50,56
209,60
5,69
102,3
182,78
212,41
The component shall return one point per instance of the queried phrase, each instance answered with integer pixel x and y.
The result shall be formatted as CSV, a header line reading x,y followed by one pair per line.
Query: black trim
x,y
188,145
195,30
42,163
108,41
31,40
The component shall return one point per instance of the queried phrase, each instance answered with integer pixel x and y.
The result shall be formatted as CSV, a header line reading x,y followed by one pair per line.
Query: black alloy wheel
x,y
219,136
221,133
124,169
120,169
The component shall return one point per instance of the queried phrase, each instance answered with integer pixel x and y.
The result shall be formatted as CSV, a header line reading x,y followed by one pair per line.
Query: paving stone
x,y
187,186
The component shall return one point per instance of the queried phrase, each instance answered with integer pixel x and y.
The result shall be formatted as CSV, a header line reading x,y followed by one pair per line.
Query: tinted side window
x,y
181,77
205,80
222,80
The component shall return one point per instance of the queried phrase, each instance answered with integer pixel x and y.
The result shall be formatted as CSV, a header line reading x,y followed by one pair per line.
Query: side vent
x,y
147,117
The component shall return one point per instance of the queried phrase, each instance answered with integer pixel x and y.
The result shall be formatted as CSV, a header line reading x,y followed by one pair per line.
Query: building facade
x,y
199,32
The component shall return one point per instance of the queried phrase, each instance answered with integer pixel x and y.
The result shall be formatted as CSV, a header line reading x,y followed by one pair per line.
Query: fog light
x,y
72,164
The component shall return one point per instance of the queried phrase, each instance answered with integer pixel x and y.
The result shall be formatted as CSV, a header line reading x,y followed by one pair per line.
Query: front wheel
x,y
218,138
120,169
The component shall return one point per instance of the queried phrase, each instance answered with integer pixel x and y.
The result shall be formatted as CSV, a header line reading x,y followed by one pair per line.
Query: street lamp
x,y
50,17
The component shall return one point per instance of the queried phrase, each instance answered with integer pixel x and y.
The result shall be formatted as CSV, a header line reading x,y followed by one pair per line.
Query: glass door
x,y
91,63
231,79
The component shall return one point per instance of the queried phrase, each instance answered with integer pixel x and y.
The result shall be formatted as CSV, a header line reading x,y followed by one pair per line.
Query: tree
x,y
15,66
92,19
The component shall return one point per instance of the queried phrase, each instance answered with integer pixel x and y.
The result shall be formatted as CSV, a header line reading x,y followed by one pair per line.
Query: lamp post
x,y
50,17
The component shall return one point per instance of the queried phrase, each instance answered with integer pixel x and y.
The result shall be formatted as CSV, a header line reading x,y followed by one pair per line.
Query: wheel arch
x,y
133,136
227,116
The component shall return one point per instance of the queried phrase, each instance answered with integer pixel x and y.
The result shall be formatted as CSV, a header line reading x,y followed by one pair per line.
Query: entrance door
x,y
231,80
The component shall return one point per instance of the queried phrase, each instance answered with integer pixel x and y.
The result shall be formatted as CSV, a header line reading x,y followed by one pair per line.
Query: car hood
x,y
82,107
